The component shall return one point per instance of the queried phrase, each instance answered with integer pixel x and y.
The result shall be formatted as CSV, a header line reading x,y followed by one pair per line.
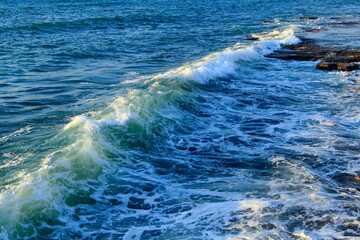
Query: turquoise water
x,y
160,120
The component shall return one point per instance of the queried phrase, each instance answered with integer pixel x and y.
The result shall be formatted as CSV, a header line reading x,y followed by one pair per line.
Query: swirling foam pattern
x,y
136,121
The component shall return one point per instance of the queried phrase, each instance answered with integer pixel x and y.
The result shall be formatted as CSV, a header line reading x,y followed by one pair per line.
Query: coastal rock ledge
x,y
329,58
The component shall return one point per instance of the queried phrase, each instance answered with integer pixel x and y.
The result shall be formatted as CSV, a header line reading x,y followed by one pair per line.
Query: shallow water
x,y
159,120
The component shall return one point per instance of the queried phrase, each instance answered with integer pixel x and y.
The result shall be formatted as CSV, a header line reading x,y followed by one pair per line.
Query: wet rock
x,y
353,54
347,66
299,53
350,52
337,58
251,38
300,47
292,56
267,22
311,18
337,66
315,30
330,59
304,51
344,23
357,179
326,66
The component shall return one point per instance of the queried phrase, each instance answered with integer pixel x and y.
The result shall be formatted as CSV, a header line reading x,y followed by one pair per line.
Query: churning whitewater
x,y
96,143
232,145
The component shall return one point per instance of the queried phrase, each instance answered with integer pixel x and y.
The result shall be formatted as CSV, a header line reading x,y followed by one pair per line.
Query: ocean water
x,y
158,119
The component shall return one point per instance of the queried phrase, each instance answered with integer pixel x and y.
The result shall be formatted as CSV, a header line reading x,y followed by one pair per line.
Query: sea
x,y
162,119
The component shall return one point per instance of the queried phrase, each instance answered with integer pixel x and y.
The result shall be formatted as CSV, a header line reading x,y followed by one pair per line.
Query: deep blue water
x,y
160,120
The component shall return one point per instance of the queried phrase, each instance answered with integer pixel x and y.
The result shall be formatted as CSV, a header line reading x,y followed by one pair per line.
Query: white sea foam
x,y
297,190
75,122
3,234
21,131
15,159
224,63
253,204
212,66
117,113
45,189
82,153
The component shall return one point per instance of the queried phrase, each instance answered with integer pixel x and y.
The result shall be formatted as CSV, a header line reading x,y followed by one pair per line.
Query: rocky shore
x,y
325,49
327,57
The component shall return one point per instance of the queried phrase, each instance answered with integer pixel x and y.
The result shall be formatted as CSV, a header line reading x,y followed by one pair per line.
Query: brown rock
x,y
340,59
354,55
337,66
301,52
344,23
330,58
267,22
357,179
350,52
302,47
326,66
315,30
292,56
347,66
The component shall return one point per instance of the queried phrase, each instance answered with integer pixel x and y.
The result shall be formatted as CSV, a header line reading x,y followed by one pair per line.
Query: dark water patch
x,y
27,103
4,85
81,55
48,68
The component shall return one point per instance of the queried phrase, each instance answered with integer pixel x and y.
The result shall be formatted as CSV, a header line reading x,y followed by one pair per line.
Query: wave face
x,y
230,145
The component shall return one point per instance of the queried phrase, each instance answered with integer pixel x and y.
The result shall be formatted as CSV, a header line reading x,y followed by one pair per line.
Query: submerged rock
x,y
315,30
344,23
267,22
311,18
357,179
251,38
326,66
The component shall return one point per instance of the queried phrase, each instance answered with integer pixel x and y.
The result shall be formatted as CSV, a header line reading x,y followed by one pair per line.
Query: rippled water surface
x,y
161,120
